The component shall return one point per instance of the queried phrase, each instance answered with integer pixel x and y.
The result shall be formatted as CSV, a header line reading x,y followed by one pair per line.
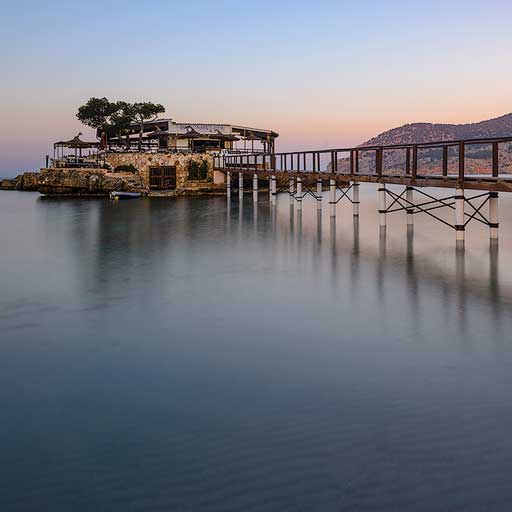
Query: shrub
x,y
198,170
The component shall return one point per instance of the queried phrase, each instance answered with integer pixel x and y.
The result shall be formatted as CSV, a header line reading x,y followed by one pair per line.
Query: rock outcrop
x,y
26,181
85,182
73,182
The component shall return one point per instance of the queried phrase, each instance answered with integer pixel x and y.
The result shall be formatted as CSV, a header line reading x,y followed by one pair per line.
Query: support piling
x,y
332,198
459,214
493,215
382,205
319,194
255,188
355,199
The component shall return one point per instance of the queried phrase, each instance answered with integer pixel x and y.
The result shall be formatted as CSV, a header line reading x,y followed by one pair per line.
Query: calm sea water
x,y
183,355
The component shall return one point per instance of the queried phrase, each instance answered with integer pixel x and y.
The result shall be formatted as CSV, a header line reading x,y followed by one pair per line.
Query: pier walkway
x,y
440,164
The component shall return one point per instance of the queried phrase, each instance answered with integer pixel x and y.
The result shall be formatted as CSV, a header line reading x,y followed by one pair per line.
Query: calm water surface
x,y
180,355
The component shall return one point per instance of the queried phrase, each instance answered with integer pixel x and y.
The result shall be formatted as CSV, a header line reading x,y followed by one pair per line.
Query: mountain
x,y
478,156
429,132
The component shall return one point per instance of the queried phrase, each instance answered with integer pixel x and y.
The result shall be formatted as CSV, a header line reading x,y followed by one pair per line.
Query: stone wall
x,y
143,161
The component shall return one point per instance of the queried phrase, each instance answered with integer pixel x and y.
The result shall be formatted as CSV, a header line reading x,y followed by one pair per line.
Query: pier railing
x,y
442,159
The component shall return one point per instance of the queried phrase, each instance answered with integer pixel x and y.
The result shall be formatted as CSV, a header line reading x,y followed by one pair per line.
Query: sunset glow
x,y
323,74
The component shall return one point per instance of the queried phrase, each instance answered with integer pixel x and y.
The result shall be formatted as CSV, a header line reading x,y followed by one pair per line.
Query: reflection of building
x,y
167,135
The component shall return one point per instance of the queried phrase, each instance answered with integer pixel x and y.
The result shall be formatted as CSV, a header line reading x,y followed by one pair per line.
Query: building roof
x,y
76,142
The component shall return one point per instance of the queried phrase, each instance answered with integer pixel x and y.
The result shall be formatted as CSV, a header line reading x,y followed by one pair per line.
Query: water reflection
x,y
208,340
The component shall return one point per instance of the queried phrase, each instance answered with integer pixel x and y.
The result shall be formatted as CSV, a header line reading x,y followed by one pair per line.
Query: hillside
x,y
478,157
428,132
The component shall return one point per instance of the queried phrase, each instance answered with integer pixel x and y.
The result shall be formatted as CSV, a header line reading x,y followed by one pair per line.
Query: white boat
x,y
124,195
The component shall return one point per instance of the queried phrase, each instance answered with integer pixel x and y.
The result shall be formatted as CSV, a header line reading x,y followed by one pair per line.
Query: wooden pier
x,y
307,173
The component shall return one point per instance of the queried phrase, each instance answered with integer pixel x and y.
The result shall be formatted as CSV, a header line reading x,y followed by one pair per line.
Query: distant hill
x,y
478,157
429,132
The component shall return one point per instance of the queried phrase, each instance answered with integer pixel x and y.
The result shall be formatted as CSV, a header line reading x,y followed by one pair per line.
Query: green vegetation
x,y
114,118
198,170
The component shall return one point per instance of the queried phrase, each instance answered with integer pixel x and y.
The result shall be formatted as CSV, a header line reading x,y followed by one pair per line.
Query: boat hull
x,y
124,195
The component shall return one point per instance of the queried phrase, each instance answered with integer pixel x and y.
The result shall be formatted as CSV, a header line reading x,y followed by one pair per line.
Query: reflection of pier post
x,y
381,262
299,234
412,277
494,286
255,218
240,214
354,257
319,228
228,214
460,280
334,259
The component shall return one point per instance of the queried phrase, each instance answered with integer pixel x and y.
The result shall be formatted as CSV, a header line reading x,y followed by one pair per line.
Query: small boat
x,y
124,195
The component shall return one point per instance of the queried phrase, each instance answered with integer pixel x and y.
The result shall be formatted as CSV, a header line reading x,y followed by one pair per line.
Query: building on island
x,y
168,135
166,156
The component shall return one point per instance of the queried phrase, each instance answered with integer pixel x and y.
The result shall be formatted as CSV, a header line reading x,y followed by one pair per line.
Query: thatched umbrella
x,y
76,143
190,135
218,135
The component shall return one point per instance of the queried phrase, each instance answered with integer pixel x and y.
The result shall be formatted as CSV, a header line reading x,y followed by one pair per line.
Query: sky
x,y
320,73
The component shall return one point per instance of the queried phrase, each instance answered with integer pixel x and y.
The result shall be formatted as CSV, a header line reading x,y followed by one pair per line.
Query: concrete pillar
x,y
332,198
459,214
318,194
228,184
292,190
493,215
255,188
273,189
382,205
241,181
299,194
355,199
409,196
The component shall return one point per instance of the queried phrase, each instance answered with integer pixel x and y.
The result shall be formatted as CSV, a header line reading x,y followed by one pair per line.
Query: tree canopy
x,y
115,118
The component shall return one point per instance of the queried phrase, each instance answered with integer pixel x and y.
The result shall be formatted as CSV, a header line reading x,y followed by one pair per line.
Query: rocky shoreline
x,y
88,182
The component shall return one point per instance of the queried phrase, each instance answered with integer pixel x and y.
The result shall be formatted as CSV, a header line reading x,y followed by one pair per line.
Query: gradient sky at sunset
x,y
320,73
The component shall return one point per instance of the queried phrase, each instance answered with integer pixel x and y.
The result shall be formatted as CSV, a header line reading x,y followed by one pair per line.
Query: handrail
x,y
297,161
